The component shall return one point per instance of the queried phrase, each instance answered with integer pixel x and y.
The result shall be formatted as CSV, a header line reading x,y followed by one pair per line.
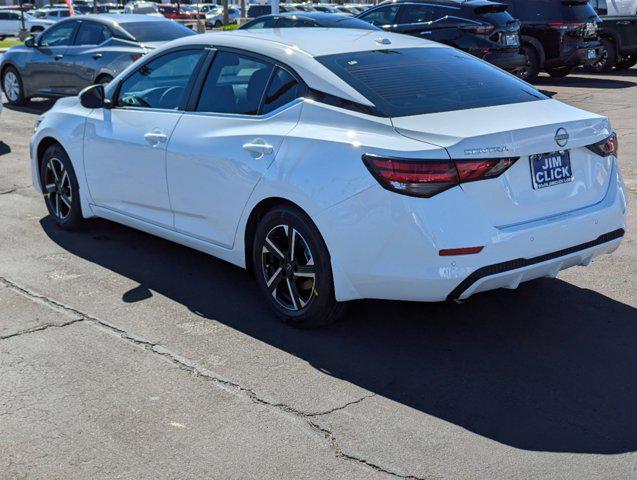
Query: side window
x,y
4,16
14,16
161,83
418,14
235,84
265,23
64,13
282,90
58,35
382,16
92,34
289,22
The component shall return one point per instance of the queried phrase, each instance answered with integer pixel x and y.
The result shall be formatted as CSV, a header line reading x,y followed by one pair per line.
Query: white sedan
x,y
338,165
11,23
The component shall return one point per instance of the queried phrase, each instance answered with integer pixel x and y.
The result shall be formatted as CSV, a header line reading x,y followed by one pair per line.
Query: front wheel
x,y
560,72
13,87
293,269
218,24
61,190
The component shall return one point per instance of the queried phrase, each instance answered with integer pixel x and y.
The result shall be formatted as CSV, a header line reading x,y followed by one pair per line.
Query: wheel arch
x,y
257,213
535,43
613,38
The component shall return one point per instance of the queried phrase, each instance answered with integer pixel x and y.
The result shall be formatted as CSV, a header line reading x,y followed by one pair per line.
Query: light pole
x,y
22,34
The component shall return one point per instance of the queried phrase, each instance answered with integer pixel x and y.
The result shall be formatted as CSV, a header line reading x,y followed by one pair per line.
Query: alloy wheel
x,y
11,86
288,268
58,188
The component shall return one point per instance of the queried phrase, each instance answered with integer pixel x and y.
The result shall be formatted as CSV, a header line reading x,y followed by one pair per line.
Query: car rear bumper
x,y
386,246
509,61
575,54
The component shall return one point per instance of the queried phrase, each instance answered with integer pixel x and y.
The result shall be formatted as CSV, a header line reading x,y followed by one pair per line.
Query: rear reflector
x,y
608,146
426,178
449,252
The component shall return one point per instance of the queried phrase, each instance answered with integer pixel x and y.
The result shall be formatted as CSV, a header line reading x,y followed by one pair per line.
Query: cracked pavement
x,y
125,356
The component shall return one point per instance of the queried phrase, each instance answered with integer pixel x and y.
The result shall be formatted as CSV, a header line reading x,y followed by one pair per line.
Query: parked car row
x,y
11,23
618,35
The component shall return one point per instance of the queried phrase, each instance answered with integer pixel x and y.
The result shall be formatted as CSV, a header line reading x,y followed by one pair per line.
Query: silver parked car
x,y
81,51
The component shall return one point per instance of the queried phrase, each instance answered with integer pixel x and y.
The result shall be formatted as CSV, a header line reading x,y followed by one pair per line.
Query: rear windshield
x,y
416,81
160,31
545,11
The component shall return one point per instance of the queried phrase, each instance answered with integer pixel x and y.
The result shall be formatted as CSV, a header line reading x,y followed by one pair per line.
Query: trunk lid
x,y
520,130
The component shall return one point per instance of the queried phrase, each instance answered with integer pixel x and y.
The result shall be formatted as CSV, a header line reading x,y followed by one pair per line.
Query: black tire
x,y
62,192
37,30
218,24
559,72
299,288
626,62
15,97
103,79
531,70
608,59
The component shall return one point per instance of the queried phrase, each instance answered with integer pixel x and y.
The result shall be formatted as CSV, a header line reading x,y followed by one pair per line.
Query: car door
x,y
125,146
88,52
221,149
48,71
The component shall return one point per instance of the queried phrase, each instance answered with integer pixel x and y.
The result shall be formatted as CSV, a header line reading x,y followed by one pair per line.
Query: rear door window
x,y
235,84
419,14
92,34
416,81
282,90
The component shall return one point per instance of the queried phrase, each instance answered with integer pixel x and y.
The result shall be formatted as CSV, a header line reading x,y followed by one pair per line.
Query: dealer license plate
x,y
592,54
548,169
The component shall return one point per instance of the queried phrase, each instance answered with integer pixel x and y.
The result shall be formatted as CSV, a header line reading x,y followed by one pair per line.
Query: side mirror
x,y
30,42
93,97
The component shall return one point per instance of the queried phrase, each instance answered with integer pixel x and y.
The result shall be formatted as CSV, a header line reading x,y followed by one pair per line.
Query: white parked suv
x,y
338,164
11,23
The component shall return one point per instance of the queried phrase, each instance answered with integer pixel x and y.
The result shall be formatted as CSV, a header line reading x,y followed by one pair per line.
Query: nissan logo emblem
x,y
561,137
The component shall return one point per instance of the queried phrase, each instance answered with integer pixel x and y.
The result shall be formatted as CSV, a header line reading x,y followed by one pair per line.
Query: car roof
x,y
119,19
297,47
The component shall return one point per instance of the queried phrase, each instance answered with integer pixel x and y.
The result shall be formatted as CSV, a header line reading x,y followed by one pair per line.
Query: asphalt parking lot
x,y
125,356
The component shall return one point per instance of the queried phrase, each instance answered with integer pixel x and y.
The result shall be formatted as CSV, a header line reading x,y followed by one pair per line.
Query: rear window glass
x,y
415,81
160,31
545,11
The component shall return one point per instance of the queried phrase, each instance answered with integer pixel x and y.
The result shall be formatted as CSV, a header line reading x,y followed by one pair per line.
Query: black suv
x,y
480,27
557,35
256,11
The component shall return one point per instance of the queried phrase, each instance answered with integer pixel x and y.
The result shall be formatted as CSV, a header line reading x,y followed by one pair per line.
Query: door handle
x,y
258,148
97,56
57,57
155,137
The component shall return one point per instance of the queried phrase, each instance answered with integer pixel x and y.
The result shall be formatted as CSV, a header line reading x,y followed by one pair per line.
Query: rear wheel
x,y
530,71
218,24
607,60
61,190
12,86
293,269
560,72
626,62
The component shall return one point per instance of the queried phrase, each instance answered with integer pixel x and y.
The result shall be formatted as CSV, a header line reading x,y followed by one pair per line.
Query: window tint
x,y
544,11
58,35
415,81
159,31
381,16
282,90
4,16
92,34
235,84
265,23
289,22
419,14
259,10
160,83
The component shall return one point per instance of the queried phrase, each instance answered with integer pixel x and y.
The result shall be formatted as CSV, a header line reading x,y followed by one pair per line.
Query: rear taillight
x,y
426,178
566,25
479,29
605,148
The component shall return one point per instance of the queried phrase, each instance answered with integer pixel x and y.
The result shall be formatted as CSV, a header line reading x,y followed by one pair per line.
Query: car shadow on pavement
x,y
4,148
582,80
549,367
36,106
